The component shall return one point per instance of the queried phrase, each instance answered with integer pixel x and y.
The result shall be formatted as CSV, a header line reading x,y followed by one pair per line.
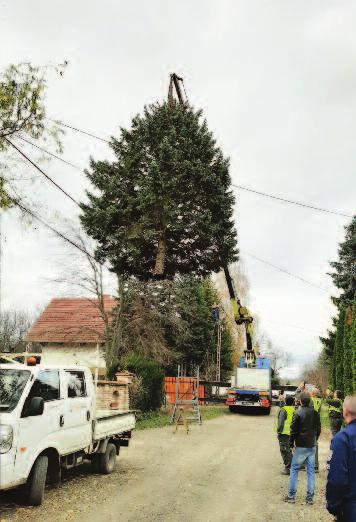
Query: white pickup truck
x,y
49,422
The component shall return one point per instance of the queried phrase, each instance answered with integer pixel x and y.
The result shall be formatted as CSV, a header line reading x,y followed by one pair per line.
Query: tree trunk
x,y
160,256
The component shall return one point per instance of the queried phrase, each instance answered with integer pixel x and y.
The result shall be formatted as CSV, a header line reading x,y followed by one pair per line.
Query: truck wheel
x,y
36,482
233,409
107,460
267,411
95,463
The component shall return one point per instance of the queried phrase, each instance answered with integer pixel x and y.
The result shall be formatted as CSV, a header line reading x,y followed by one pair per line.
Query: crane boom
x,y
241,313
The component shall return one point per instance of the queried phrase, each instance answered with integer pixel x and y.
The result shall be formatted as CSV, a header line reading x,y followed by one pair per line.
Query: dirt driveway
x,y
226,470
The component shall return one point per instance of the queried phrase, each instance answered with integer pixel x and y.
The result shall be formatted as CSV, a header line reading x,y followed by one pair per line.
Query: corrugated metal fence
x,y
187,386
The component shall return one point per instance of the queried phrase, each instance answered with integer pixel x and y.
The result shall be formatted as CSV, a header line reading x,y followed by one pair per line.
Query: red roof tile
x,y
71,320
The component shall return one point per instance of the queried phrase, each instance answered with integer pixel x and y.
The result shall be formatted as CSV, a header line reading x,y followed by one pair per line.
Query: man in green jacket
x,y
283,423
335,412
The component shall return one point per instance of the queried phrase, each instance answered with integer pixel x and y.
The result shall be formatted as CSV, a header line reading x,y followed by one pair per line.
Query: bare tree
x,y
13,328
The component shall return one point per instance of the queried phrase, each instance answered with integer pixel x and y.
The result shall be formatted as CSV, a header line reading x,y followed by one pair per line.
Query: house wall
x,y
79,355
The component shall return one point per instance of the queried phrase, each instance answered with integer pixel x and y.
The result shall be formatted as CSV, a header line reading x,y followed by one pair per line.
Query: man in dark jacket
x,y
304,433
341,483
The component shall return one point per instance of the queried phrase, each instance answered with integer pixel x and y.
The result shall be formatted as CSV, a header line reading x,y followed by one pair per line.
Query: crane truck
x,y
252,379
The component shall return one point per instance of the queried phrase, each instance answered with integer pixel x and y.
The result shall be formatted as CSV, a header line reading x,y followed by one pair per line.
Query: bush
x,y
149,394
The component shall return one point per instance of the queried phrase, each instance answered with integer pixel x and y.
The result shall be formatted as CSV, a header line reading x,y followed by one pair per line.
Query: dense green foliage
x,y
353,345
344,276
149,394
196,342
22,111
339,344
170,323
164,206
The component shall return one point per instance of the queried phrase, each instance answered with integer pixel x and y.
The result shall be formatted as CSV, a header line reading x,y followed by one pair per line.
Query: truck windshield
x,y
12,383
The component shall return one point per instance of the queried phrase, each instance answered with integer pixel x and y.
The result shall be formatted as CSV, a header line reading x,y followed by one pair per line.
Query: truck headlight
x,y
6,435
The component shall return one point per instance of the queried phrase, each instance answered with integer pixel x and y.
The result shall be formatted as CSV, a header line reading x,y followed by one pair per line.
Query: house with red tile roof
x,y
71,331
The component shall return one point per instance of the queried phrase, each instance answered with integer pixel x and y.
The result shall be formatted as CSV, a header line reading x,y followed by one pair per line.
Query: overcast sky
x,y
277,83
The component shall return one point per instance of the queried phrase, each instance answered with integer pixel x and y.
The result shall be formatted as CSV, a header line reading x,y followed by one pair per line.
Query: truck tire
x,y
107,460
36,482
267,411
233,409
95,463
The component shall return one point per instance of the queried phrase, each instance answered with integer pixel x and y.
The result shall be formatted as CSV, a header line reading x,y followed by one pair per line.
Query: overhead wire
x,y
41,171
298,203
41,220
283,270
59,122
50,153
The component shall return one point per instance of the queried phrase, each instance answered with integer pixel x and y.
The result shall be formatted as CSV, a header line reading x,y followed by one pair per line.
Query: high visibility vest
x,y
288,421
316,403
338,409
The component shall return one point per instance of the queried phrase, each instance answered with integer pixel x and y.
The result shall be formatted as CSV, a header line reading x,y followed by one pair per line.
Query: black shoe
x,y
290,500
309,501
316,470
285,471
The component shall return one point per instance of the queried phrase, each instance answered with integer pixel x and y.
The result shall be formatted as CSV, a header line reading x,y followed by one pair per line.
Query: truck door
x,y
38,433
77,421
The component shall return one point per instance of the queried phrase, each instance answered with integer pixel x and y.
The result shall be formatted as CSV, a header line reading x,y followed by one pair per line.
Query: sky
x,y
277,83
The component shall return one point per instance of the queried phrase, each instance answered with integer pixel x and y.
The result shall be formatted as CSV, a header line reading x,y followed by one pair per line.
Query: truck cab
x,y
48,422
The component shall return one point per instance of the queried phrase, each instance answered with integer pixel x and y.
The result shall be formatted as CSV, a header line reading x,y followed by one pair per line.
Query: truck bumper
x,y
248,404
8,478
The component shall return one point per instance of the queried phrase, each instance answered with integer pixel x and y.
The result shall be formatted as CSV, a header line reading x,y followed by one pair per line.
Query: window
x,y
76,384
46,386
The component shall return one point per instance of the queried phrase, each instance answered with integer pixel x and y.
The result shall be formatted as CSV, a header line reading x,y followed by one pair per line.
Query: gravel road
x,y
226,470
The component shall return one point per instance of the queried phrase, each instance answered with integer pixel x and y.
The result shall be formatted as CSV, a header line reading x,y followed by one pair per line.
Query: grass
x,y
159,419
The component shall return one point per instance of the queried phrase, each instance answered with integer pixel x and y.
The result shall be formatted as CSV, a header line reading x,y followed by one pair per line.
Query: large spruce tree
x,y
164,205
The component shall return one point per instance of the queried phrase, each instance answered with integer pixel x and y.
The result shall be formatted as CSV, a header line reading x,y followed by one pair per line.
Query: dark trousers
x,y
285,450
335,425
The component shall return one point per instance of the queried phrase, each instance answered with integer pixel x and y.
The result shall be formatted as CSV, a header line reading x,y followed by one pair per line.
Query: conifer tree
x,y
347,348
353,345
338,359
344,275
164,206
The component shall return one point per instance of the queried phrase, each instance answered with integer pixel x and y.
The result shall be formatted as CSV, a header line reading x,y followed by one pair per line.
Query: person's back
x,y
341,483
305,427
304,432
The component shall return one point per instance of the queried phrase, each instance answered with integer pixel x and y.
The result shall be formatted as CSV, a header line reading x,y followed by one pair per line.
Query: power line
x,y
38,218
41,171
298,203
50,153
285,271
79,130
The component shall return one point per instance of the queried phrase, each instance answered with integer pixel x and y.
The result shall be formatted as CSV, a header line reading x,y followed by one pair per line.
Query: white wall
x,y
80,355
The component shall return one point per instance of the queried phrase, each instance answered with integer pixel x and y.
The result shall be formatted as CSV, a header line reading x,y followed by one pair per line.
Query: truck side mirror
x,y
34,408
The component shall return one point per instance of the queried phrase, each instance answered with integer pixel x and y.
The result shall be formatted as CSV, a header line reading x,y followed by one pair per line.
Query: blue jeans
x,y
302,456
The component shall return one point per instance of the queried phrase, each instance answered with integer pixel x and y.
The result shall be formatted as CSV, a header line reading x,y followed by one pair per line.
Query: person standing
x,y
341,480
283,423
281,398
315,402
335,412
304,432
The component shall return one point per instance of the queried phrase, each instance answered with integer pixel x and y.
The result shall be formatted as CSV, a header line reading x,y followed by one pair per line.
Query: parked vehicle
x,y
49,422
252,386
